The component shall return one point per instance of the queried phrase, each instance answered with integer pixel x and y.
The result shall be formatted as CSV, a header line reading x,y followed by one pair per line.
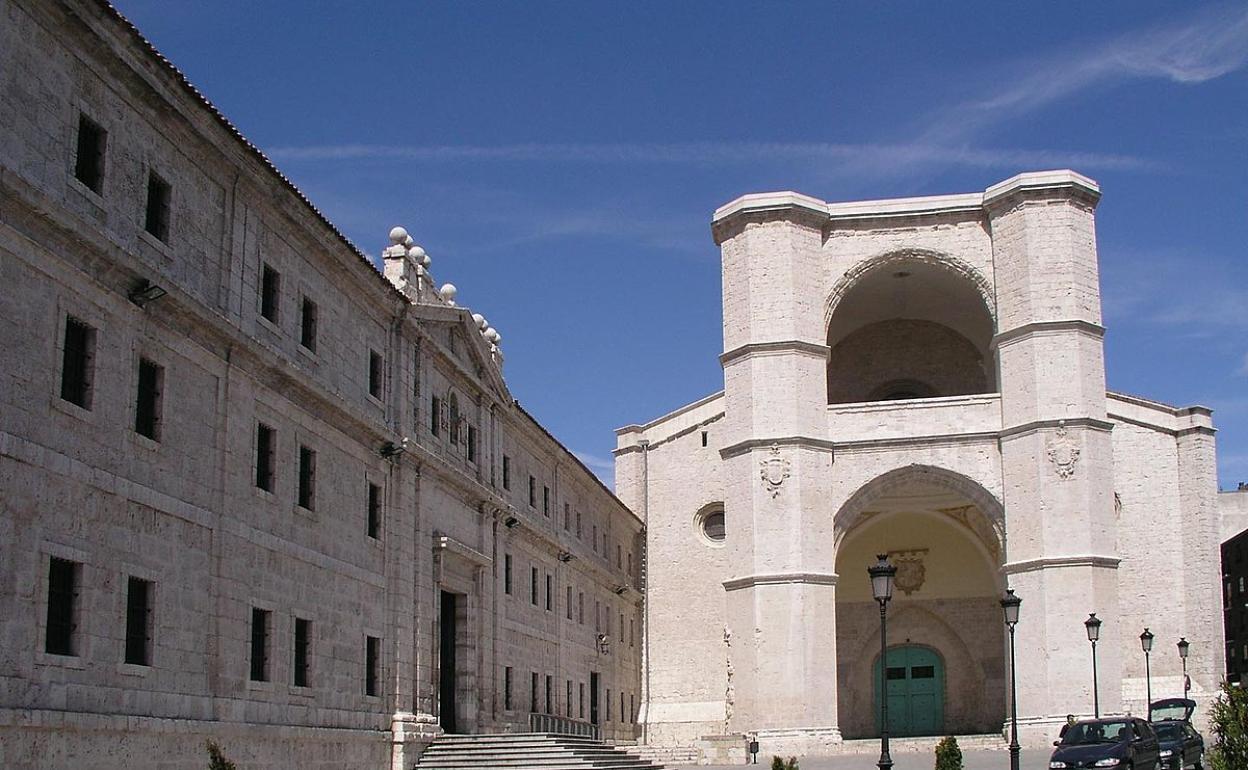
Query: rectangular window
x,y
307,478
630,563
89,163
595,538
270,288
581,698
139,622
567,516
374,510
532,492
549,695
619,556
622,711
374,374
507,675
568,612
507,574
506,472
435,416
567,703
147,411
550,592
578,525
632,631
580,607
704,438
533,586
619,630
303,640
159,196
266,459
307,325
372,656
472,444
62,621
597,617
632,707
260,644
78,363
533,691
546,501
607,702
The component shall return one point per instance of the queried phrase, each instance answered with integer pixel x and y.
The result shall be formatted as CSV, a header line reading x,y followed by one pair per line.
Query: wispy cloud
x,y
1199,49
602,467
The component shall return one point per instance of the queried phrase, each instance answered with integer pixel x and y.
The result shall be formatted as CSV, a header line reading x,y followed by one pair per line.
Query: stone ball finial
x,y
493,336
416,254
398,235
448,292
478,319
426,261
408,241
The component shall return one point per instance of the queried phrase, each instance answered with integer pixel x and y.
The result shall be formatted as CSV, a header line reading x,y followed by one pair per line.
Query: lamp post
x,y
1009,604
1183,646
1093,625
882,574
1146,644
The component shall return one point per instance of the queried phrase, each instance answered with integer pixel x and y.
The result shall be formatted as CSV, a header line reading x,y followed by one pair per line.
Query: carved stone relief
x,y
911,572
1062,452
774,469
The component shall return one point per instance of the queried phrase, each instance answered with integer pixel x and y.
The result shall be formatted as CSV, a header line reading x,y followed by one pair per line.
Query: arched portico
x,y
944,533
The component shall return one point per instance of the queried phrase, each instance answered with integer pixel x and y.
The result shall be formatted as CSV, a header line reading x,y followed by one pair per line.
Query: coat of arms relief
x,y
774,470
1063,452
911,572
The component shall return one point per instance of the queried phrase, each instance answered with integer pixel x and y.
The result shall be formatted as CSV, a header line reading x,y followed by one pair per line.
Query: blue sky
x,y
560,161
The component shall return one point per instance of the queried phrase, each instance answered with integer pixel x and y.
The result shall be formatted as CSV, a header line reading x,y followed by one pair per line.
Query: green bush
x,y
778,763
217,760
948,755
1229,721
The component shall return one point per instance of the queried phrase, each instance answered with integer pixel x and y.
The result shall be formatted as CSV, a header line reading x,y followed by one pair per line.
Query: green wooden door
x,y
916,691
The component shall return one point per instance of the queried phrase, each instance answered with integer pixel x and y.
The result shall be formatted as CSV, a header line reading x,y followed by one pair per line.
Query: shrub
x,y
217,760
1228,719
778,763
948,755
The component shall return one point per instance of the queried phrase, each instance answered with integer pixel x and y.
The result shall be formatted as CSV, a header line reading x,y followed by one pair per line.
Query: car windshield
x,y
1096,732
1168,732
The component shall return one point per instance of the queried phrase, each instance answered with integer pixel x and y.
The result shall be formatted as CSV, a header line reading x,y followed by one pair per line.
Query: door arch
x,y
915,686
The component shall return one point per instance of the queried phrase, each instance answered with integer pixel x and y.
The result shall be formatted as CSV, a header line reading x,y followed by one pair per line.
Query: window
x,y
62,621
532,492
632,633
78,363
139,622
580,607
549,696
507,688
620,628
507,574
472,444
260,644
372,655
89,163
533,691
453,408
632,707
307,325
374,374
147,407
506,472
711,522
619,556
533,586
435,416
374,510
608,704
578,525
550,592
567,703
568,611
546,501
266,445
159,195
303,640
630,563
270,286
597,617
581,698
703,438
595,538
307,478
567,517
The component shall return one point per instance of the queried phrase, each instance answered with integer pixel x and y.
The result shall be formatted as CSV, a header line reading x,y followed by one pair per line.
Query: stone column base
x,y
411,734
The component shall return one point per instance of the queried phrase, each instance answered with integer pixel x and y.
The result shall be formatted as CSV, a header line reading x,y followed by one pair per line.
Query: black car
x,y
1114,743
1181,747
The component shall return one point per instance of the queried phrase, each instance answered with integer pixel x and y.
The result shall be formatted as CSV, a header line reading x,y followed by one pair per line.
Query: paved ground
x,y
1035,759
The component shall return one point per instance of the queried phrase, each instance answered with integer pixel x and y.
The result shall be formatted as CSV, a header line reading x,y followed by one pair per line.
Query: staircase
x,y
989,742
664,755
527,751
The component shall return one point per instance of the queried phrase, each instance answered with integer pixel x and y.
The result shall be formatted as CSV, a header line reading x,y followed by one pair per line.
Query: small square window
x,y
270,293
147,406
89,163
78,363
159,197
307,325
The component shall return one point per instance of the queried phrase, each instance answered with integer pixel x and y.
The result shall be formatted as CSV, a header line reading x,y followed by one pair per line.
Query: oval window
x,y
713,526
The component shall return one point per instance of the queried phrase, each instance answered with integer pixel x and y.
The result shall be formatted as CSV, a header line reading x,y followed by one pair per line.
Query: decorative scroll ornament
x,y
774,470
1062,452
911,573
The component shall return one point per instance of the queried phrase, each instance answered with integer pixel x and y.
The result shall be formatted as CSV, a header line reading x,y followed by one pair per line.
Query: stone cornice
x,y
801,442
777,346
444,543
1059,562
780,578
1063,182
1022,429
945,439
1047,327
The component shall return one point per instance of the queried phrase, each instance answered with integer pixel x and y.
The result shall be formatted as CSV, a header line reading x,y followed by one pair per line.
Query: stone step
x,y
989,742
528,751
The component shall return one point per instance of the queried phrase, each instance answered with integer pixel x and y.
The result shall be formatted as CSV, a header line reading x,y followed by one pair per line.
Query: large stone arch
x,y
986,519
899,257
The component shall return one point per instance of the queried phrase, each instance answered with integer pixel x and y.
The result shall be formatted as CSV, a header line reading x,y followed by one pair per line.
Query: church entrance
x,y
915,679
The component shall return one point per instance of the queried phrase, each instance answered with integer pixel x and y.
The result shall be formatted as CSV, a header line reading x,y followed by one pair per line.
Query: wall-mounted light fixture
x,y
144,292
565,557
604,644
391,450
510,522
619,590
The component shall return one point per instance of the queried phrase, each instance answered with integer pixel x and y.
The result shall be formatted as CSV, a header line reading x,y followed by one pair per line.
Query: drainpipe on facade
x,y
645,600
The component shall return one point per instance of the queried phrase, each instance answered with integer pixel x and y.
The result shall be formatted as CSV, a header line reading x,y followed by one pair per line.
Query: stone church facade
x,y
253,489
922,378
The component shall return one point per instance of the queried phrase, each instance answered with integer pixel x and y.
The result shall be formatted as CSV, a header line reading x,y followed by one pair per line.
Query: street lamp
x,y
1183,645
1146,644
1009,604
882,574
1093,625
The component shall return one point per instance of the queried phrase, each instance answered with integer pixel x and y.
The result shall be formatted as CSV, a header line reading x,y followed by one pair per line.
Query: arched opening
x,y
911,324
946,662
